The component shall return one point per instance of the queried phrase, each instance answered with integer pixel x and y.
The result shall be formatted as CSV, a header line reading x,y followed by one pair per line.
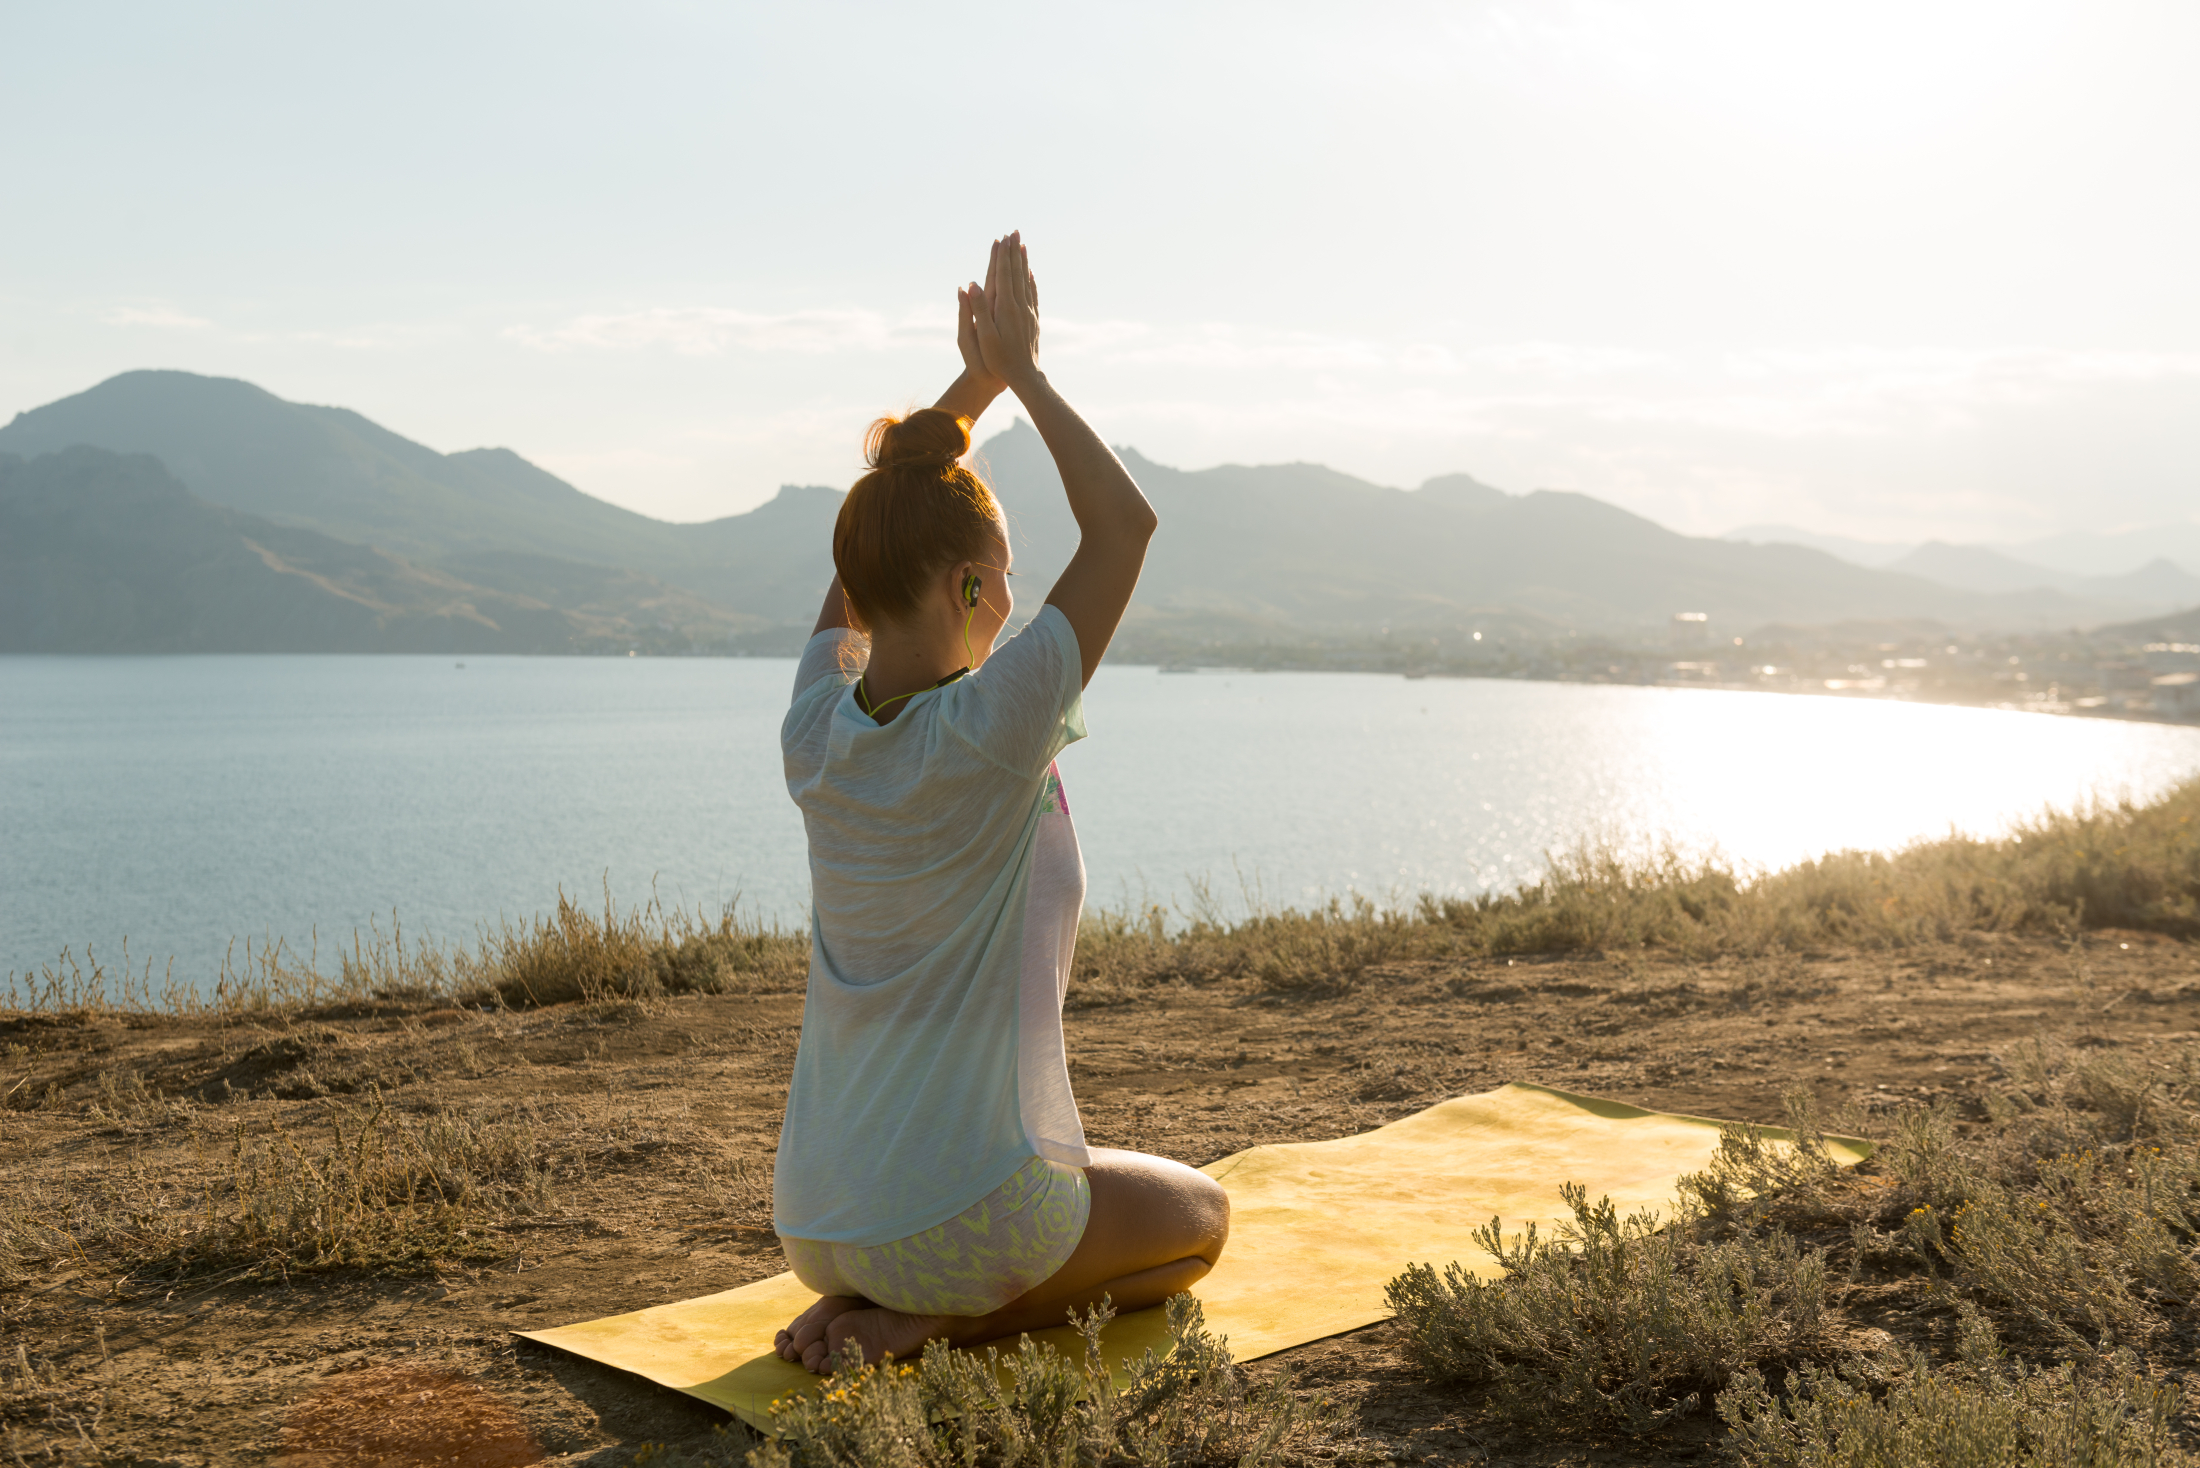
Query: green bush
x,y
954,1408
1985,1411
1753,1170
1615,1324
2080,1214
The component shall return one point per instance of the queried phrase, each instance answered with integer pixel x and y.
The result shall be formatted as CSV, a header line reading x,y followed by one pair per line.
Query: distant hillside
x,y
105,552
1243,550
331,470
1873,553
1306,546
2150,565
2110,553
2157,585
2176,627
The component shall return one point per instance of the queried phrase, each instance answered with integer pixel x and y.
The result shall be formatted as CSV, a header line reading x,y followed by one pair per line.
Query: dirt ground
x,y
665,1116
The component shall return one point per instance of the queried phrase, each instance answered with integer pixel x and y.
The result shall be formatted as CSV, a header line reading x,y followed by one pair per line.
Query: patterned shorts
x,y
1015,1237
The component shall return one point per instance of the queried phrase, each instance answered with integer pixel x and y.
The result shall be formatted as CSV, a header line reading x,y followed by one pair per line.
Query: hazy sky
x,y
1880,269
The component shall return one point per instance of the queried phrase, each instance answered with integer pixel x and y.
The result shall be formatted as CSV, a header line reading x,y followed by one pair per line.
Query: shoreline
x,y
2087,707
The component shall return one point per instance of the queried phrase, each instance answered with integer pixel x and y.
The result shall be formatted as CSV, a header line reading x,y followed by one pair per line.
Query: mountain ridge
x,y
1285,546
106,552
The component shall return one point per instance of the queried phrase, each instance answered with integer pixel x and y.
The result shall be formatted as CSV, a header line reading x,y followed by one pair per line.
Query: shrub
x,y
1986,1411
1752,1169
2081,1213
1615,1324
1036,1406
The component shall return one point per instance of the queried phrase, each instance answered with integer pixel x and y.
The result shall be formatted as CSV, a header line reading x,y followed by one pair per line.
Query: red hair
x,y
916,513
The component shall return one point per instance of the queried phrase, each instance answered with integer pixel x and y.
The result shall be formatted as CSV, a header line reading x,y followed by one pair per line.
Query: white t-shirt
x,y
945,886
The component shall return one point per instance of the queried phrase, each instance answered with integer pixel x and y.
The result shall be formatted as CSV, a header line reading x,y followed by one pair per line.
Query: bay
x,y
187,803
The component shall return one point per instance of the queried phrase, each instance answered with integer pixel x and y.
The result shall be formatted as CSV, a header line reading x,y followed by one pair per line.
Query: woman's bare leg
x,y
1156,1228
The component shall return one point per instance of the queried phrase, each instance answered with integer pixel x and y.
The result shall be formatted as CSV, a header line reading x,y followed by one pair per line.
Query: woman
x,y
933,1180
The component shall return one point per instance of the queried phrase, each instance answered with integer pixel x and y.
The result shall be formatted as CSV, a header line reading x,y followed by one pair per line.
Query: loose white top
x,y
945,887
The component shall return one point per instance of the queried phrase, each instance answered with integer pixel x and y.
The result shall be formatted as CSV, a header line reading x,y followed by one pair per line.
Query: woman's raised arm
x,y
967,396
1114,522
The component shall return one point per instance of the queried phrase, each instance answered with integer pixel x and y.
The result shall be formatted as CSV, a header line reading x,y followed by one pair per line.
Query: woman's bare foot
x,y
881,1332
808,1328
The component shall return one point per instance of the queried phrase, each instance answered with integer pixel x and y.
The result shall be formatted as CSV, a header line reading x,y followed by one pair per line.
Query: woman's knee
x,y
1213,1205
1159,1194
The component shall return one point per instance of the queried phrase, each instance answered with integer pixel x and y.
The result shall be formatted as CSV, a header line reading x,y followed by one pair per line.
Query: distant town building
x,y
2178,695
1691,629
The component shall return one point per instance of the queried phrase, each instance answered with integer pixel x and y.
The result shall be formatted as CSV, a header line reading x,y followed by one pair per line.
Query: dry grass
x,y
371,1188
2120,865
2113,865
571,955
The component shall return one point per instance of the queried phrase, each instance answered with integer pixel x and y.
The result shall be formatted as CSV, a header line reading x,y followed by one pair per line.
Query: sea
x,y
188,806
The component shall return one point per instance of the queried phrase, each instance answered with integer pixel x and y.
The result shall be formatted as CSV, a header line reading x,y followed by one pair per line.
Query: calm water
x,y
183,802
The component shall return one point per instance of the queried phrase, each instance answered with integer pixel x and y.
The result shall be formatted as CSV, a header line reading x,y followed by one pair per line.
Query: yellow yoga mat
x,y
1316,1230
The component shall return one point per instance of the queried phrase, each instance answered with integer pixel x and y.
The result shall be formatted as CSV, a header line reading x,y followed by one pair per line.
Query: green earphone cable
x,y
972,585
873,709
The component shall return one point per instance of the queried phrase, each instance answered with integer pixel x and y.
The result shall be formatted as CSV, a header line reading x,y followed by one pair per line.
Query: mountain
x,y
2112,553
2074,558
2158,586
1249,550
105,552
329,469
332,470
1974,568
1306,546
1873,553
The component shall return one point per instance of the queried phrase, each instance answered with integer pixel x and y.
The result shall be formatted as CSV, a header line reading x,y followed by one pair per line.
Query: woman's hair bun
x,y
929,438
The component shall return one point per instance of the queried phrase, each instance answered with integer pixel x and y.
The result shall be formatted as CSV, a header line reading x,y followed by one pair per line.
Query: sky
x,y
1880,270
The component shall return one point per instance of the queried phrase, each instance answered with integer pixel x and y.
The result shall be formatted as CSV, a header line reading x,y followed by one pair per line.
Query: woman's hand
x,y
1007,314
972,393
969,301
